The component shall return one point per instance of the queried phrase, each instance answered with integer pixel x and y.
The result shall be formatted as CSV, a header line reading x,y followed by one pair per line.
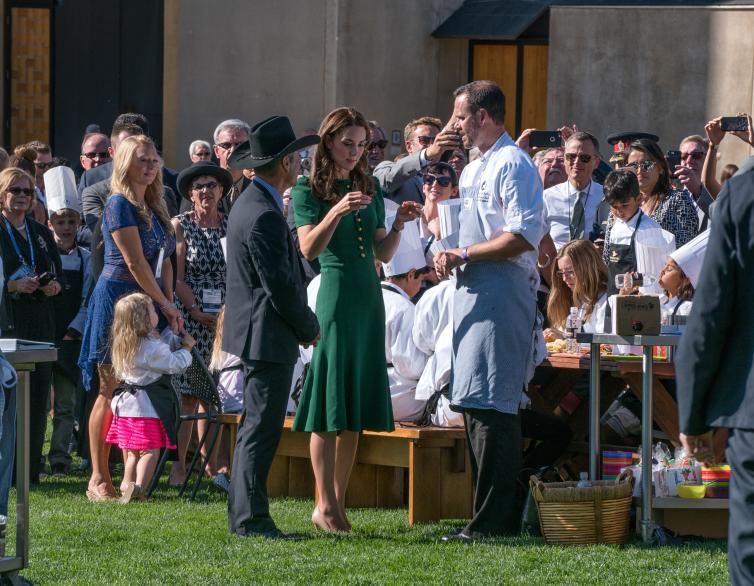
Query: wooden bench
x,y
438,486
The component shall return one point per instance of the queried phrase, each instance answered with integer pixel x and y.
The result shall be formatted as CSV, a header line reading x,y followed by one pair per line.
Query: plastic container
x,y
583,480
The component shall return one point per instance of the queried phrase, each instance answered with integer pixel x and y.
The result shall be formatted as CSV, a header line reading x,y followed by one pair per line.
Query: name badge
x,y
70,262
484,194
158,268
212,300
22,272
468,203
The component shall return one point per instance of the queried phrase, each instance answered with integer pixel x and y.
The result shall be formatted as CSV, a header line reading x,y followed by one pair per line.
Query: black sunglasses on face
x,y
425,140
381,144
100,155
645,165
696,155
28,192
571,157
442,180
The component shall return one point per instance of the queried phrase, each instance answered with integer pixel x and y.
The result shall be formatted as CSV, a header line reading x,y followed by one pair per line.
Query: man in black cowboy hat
x,y
266,315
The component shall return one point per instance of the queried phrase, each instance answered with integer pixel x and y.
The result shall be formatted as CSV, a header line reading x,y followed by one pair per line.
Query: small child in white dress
x,y
145,406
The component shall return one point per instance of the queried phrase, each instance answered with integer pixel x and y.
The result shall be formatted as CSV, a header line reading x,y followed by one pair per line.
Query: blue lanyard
x,y
21,258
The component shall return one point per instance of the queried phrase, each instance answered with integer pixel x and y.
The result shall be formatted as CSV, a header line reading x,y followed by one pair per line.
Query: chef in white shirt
x,y
571,206
404,275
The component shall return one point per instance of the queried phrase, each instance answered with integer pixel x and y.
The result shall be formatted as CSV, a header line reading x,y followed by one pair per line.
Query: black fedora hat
x,y
269,139
201,169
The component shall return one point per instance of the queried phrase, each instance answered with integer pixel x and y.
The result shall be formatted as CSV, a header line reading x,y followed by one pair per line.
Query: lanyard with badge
x,y
26,269
161,257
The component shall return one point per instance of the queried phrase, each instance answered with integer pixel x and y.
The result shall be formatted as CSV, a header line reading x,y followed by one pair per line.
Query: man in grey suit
x,y
715,362
425,143
266,314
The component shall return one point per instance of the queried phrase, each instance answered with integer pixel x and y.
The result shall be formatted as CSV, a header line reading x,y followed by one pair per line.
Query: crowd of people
x,y
419,289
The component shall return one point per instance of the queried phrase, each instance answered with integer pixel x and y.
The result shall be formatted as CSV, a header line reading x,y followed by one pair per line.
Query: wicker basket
x,y
598,514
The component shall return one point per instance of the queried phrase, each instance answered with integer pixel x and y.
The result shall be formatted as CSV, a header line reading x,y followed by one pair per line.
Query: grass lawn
x,y
172,541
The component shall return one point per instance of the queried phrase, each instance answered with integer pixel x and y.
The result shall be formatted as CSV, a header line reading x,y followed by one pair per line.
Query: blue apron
x,y
494,315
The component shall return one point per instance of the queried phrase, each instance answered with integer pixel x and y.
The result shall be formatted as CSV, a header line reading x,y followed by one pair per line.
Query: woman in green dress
x,y
340,215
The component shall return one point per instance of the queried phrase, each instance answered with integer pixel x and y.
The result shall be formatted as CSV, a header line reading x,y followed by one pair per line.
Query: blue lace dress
x,y
116,279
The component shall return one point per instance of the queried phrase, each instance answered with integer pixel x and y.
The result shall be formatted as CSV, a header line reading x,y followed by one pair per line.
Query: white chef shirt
x,y
559,202
509,197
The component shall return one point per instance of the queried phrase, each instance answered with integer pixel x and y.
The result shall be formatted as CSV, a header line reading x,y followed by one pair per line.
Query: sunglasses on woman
x,y
442,180
645,165
28,192
380,144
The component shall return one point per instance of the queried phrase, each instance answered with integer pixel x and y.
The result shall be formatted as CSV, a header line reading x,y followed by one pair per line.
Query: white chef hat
x,y
448,212
60,190
690,257
391,209
410,253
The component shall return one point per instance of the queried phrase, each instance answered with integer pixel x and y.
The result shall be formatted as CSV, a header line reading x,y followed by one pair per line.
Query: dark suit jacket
x,y
715,361
92,176
266,315
311,267
401,180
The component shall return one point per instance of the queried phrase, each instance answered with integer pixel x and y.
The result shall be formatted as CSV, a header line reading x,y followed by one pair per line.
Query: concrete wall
x,y
302,58
659,69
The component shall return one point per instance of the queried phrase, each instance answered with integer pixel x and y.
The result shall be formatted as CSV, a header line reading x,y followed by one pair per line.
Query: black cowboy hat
x,y
269,139
200,169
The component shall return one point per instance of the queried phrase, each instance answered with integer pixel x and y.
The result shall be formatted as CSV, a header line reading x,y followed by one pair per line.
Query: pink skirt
x,y
138,433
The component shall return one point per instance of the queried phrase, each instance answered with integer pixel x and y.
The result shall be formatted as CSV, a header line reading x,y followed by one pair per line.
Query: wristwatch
x,y
465,254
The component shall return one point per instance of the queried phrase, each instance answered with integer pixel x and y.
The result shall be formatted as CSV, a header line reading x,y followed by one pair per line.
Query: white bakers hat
x,y
60,190
410,253
690,256
391,210
448,211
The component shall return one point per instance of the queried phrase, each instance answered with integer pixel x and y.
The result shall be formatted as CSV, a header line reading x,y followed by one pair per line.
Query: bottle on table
x,y
573,327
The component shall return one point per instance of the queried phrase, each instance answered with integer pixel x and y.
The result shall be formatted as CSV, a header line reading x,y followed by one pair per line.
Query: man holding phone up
x,y
495,318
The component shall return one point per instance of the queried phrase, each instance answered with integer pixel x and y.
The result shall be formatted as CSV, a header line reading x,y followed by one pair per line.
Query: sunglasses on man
x,y
226,146
696,155
100,155
442,180
583,158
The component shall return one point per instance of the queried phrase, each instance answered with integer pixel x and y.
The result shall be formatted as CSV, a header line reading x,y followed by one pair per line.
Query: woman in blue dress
x,y
138,239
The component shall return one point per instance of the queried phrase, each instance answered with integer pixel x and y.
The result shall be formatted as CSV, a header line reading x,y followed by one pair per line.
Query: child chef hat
x,y
690,257
410,253
60,190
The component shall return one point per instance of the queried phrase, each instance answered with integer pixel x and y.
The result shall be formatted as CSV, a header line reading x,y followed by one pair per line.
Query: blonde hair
x,y
153,197
591,282
217,346
131,324
8,177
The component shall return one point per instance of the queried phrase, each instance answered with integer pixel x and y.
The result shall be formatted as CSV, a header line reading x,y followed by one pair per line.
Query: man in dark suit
x,y
715,362
266,315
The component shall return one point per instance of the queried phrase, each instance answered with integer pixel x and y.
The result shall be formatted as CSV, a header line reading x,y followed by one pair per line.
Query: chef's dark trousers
x,y
740,455
495,447
266,390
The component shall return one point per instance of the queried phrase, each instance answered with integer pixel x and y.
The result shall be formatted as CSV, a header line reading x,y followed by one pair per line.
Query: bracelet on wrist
x,y
167,305
465,254
393,229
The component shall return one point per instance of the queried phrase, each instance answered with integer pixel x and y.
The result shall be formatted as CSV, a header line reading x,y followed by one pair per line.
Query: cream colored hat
x,y
410,253
60,190
690,257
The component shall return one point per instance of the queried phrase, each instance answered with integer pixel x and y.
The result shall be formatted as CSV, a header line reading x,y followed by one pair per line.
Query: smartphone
x,y
734,124
673,158
545,138
45,278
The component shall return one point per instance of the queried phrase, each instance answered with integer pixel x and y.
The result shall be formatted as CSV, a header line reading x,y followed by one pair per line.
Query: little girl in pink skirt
x,y
145,406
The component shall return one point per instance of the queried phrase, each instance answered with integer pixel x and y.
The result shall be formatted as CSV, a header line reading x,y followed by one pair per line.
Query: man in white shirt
x,y
494,306
571,206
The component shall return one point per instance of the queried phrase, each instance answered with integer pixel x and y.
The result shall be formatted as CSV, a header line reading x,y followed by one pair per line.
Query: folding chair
x,y
212,415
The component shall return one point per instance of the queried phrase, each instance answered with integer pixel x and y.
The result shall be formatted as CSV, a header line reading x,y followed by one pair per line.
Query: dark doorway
x,y
107,59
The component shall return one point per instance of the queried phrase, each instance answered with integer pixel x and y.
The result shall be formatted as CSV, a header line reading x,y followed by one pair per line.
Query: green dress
x,y
347,388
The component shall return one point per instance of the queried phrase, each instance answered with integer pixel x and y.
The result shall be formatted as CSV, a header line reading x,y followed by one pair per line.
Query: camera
x,y
734,124
306,162
545,138
45,278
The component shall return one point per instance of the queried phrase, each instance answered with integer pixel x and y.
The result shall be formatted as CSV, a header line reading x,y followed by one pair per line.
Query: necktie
x,y
577,217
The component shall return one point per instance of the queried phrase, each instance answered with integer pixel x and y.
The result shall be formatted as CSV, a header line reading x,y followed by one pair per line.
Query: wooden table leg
x,y
424,483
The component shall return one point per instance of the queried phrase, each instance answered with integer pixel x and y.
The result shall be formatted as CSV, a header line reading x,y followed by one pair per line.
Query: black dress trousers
x,y
267,386
495,447
740,456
